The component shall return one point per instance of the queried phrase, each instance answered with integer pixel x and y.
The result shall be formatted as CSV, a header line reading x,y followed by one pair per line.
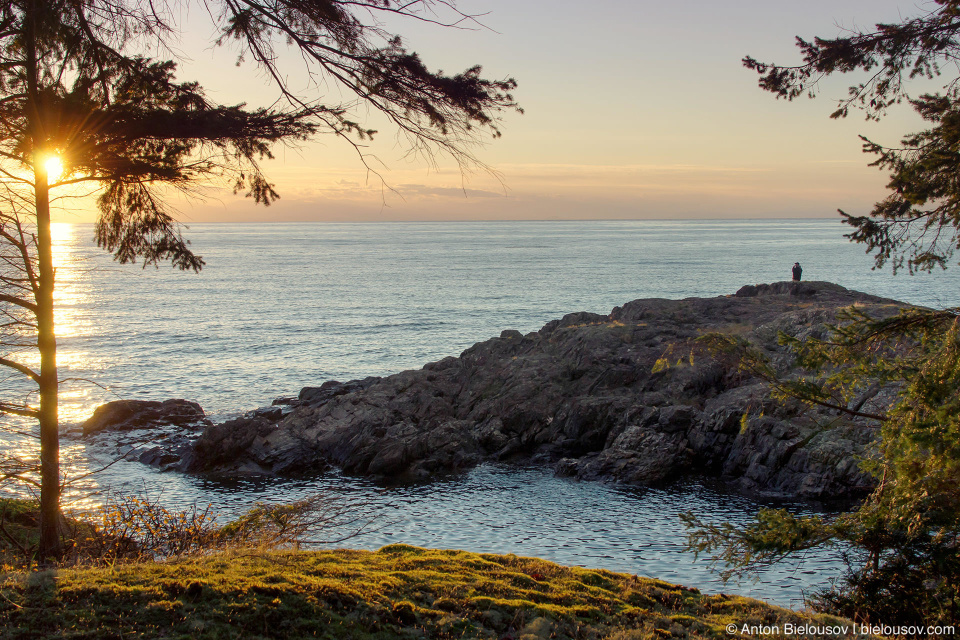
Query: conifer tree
x,y
77,89
904,566
917,225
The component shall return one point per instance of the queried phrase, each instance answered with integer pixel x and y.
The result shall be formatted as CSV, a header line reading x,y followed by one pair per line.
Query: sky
x,y
632,110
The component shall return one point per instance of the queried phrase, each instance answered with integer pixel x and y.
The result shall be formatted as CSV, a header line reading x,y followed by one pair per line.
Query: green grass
x,y
397,592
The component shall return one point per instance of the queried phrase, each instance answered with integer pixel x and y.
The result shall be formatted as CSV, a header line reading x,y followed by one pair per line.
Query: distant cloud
x,y
632,168
628,172
445,192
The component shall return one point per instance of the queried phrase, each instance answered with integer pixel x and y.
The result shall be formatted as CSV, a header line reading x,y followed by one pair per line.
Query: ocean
x,y
282,306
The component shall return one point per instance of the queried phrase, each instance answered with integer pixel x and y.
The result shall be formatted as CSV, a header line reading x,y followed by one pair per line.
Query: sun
x,y
54,168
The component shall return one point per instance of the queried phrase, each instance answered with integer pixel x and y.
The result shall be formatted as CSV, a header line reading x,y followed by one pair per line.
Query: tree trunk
x,y
49,383
50,518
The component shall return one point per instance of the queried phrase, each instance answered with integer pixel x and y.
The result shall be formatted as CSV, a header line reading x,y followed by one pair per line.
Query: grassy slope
x,y
397,592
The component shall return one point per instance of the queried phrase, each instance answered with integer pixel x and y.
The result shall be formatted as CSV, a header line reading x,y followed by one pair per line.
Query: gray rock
x,y
224,443
316,396
124,415
589,394
274,412
161,457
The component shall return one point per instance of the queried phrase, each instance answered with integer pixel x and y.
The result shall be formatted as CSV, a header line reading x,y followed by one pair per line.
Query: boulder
x,y
125,415
273,412
161,457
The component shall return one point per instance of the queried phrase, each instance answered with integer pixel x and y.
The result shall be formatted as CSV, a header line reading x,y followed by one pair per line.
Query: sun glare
x,y
54,168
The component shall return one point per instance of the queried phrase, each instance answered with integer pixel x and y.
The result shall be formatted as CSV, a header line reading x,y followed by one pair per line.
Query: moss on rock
x,y
397,592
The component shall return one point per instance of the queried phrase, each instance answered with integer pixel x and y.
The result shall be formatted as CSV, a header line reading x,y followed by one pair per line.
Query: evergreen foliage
x,y
917,225
902,542
903,561
75,84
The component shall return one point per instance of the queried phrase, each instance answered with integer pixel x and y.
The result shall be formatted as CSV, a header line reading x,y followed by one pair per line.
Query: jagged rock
x,y
225,442
316,396
781,288
626,397
274,412
161,457
124,415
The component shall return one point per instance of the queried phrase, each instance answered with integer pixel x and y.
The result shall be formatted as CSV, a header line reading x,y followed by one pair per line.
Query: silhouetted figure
x,y
797,271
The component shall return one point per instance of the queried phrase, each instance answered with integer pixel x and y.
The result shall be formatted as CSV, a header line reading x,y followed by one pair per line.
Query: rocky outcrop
x,y
316,396
155,433
625,396
126,415
223,444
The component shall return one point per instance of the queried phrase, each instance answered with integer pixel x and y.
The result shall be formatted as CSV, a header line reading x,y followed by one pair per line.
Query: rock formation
x,y
585,394
121,424
126,415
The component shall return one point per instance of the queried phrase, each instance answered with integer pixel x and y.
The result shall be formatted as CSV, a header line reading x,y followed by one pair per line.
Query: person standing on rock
x,y
797,271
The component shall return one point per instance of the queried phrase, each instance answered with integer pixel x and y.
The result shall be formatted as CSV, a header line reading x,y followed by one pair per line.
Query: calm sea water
x,y
282,306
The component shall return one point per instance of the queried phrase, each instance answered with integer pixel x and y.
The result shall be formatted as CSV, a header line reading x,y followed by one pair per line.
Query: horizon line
x,y
489,220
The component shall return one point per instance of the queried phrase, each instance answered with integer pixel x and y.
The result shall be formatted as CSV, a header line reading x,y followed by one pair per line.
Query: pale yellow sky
x,y
633,110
